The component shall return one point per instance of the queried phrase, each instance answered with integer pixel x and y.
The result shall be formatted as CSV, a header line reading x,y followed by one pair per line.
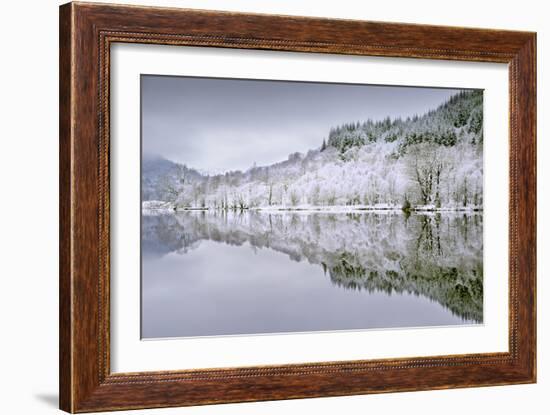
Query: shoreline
x,y
321,209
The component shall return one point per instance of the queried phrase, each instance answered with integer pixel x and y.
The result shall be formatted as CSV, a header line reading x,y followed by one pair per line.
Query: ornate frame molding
x,y
86,33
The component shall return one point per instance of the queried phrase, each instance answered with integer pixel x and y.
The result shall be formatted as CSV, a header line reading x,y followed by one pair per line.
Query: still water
x,y
226,273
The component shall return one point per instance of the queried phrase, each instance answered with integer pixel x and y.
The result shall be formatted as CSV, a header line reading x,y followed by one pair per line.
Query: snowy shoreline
x,y
168,207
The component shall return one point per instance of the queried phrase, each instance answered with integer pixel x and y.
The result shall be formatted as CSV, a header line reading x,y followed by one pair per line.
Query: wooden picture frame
x,y
86,33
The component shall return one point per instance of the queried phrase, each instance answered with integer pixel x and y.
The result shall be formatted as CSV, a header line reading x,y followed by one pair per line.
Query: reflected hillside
x,y
438,256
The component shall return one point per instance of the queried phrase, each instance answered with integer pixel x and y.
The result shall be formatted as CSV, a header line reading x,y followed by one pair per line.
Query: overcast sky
x,y
217,125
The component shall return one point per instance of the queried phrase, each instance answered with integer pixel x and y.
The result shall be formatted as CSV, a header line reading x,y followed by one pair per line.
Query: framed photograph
x,y
258,207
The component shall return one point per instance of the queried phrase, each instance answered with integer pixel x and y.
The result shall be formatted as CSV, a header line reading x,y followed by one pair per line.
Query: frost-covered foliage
x,y
433,161
436,255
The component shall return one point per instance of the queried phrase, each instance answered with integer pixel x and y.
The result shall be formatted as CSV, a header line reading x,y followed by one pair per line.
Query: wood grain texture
x,y
65,246
86,33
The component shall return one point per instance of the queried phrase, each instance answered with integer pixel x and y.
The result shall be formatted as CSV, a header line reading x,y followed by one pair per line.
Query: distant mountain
x,y
430,161
158,174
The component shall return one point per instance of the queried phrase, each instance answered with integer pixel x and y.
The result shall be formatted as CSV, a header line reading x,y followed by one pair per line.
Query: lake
x,y
210,273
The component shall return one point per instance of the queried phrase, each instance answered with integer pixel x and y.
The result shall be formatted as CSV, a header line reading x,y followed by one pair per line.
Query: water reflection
x,y
434,256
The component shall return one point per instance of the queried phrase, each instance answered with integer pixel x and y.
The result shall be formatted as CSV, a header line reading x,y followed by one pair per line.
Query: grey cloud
x,y
227,124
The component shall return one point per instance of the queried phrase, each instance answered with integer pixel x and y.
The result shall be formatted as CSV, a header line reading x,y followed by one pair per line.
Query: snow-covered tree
x,y
434,160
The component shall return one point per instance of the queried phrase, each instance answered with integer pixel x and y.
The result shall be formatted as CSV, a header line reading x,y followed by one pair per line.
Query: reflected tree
x,y
437,256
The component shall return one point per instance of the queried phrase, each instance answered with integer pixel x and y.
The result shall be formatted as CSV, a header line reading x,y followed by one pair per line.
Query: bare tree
x,y
270,193
427,165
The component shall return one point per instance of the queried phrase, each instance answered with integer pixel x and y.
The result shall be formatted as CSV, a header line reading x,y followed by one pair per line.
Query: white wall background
x,y
29,193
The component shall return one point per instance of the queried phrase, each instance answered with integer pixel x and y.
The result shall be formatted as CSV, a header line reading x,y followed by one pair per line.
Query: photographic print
x,y
274,207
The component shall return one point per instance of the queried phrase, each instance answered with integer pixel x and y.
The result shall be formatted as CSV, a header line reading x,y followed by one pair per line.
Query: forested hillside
x,y
430,161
